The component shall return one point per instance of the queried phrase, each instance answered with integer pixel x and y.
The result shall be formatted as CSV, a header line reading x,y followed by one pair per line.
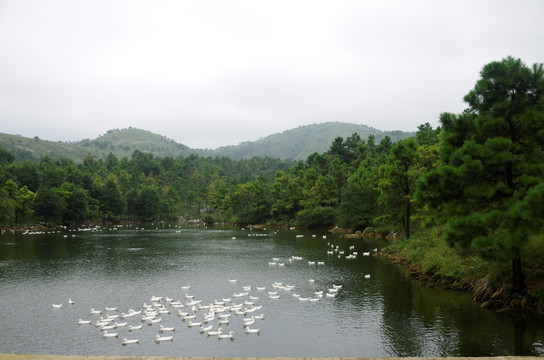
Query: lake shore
x,y
499,299
123,357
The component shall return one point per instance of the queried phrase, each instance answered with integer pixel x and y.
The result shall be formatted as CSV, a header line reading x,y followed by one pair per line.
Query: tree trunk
x,y
407,219
518,282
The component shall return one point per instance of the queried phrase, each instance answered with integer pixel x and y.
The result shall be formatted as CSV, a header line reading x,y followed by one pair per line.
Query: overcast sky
x,y
213,73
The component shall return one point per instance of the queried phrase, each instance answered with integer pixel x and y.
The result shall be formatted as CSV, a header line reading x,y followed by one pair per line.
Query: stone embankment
x,y
78,357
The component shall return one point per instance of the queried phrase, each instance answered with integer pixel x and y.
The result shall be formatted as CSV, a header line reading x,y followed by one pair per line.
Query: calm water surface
x,y
384,315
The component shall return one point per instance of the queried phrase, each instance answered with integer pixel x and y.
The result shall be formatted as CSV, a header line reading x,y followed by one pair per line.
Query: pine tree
x,y
489,185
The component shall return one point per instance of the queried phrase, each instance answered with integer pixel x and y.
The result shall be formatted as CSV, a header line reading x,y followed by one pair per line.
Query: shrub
x,y
316,216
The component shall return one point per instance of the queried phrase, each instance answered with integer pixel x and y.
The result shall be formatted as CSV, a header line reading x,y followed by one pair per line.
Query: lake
x,y
378,311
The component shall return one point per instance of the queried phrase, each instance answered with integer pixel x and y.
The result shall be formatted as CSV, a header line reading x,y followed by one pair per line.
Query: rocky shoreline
x,y
491,298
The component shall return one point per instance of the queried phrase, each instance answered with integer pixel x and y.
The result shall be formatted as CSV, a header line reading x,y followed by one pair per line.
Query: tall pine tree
x,y
489,185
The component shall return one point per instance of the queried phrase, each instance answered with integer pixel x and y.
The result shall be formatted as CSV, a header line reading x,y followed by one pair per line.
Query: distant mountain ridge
x,y
299,143
121,143
295,144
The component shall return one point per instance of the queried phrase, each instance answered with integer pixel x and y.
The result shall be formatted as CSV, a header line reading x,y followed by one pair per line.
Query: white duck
x,y
132,341
248,321
230,335
215,332
208,318
154,321
162,328
188,317
159,338
204,329
252,331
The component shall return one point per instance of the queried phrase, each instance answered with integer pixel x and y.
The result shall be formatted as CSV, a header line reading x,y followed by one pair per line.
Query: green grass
x,y
430,251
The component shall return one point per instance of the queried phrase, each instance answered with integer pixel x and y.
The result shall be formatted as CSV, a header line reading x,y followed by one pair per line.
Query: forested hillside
x,y
295,144
299,143
121,143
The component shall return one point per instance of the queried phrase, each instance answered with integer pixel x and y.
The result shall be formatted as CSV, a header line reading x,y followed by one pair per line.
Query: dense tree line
x,y
480,176
58,191
347,185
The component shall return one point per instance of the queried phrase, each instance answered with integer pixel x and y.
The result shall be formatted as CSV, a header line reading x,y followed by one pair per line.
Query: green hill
x,y
122,143
294,144
299,143
33,149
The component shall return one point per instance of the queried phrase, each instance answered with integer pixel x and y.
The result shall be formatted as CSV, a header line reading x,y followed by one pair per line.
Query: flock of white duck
x,y
211,319
216,319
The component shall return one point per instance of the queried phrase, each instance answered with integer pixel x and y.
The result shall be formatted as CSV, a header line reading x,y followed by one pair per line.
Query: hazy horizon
x,y
203,148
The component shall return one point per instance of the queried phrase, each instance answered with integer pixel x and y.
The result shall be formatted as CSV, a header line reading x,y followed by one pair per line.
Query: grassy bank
x,y
431,260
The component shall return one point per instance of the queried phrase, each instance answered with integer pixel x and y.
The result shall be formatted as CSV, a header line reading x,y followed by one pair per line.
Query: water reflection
x,y
386,315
